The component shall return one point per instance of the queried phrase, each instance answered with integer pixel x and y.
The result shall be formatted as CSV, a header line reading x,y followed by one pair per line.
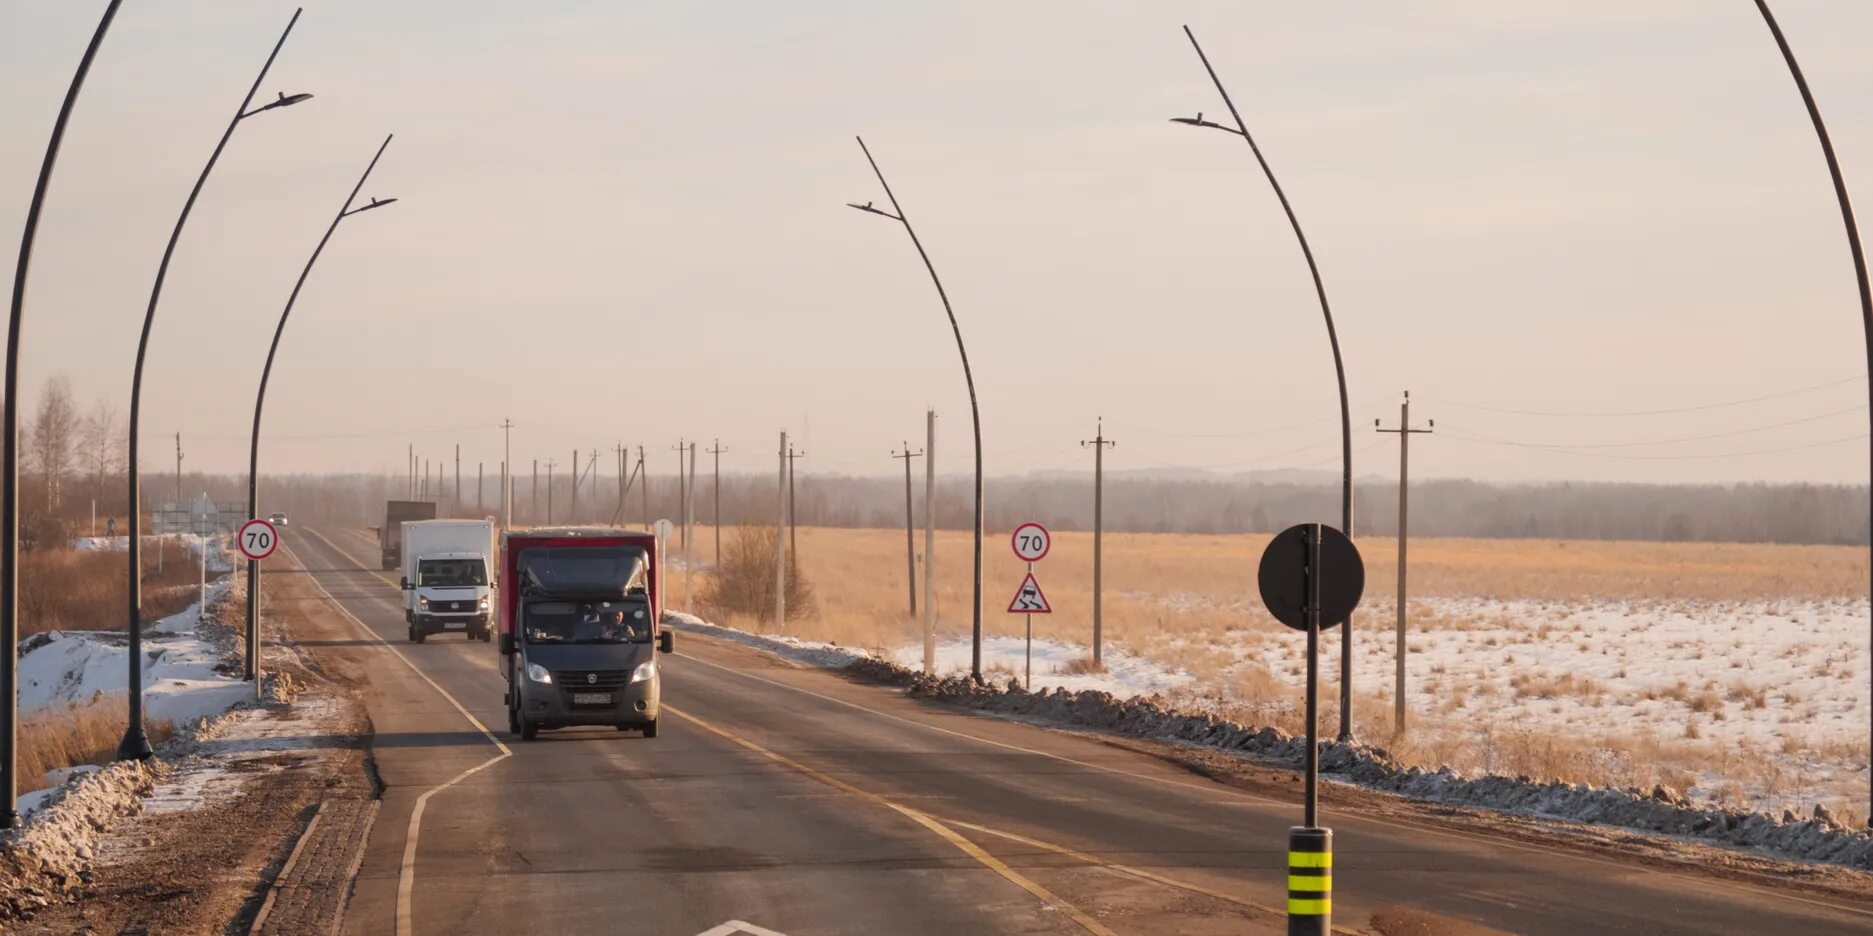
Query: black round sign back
x,y
1283,576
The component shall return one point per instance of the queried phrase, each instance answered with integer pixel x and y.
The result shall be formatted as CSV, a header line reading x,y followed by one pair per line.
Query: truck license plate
x,y
591,698
454,625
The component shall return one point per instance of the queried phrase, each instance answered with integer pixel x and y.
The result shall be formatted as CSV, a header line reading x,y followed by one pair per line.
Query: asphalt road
x,y
782,799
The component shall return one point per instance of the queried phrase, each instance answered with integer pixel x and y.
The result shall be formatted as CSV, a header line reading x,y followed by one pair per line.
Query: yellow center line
x,y
948,834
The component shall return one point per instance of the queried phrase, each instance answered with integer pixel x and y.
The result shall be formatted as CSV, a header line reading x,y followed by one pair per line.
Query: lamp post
x,y
260,399
10,472
975,414
1241,129
135,744
1853,247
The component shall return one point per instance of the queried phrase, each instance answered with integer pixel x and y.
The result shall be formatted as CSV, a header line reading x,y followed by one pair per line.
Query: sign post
x,y
256,539
1311,577
1031,541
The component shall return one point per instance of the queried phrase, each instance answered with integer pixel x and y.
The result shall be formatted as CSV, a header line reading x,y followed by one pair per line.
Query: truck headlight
x,y
645,671
422,602
484,604
538,673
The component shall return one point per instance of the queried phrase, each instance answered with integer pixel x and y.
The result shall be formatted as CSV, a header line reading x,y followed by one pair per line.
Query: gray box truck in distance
x,y
390,535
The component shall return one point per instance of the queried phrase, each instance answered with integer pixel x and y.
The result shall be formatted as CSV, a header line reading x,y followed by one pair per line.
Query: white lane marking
x,y
1472,840
737,926
406,873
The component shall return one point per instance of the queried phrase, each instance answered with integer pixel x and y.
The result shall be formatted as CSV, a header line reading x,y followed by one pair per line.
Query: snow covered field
x,y
1056,665
183,681
180,681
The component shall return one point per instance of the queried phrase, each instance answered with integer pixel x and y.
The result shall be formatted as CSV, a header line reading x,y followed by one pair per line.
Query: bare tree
x,y
101,445
54,436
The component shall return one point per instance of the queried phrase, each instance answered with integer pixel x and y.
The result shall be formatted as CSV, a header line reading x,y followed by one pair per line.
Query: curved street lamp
x,y
136,744
975,414
1241,129
10,427
260,399
1859,270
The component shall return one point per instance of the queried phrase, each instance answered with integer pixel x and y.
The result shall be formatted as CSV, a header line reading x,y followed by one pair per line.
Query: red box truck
x,y
580,626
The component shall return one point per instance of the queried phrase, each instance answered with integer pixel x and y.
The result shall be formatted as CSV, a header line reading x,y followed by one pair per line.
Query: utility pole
x,y
507,458
1404,433
409,473
643,477
619,450
572,507
715,513
178,469
929,544
689,521
793,518
533,513
549,491
681,499
910,525
780,543
455,503
481,490
1099,443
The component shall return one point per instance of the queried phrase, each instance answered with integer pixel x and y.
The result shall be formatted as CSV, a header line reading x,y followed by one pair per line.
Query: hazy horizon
x,y
627,224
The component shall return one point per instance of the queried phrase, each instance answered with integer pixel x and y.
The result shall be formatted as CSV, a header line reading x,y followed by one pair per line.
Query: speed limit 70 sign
x,y
257,539
1031,541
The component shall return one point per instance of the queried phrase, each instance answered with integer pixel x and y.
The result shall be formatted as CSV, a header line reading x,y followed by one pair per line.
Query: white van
x,y
448,585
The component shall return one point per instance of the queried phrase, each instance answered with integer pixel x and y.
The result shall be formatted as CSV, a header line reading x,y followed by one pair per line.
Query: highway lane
x,y
583,829
779,795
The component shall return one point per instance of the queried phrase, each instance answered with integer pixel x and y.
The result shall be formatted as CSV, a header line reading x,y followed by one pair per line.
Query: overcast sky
x,y
625,221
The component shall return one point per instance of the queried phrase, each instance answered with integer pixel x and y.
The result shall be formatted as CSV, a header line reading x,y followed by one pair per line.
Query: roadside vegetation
x,y
76,735
1705,667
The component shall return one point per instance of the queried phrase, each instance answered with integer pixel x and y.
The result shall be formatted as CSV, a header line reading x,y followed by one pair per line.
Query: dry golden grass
x,y
77,734
1162,586
1190,601
69,589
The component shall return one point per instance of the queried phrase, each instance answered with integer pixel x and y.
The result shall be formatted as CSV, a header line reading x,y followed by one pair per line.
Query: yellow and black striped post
x,y
1310,881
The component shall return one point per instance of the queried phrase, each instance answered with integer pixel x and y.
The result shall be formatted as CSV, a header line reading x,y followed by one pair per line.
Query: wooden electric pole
x,y
1404,433
910,527
1099,443
793,518
780,543
682,494
715,512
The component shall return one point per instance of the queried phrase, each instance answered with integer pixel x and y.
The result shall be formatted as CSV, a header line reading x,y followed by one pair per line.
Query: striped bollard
x,y
1310,881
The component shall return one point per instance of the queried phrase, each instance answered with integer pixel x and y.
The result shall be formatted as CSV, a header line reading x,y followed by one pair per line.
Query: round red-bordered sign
x,y
257,539
1031,541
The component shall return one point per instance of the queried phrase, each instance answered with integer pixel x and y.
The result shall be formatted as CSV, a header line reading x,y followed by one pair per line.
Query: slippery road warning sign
x,y
258,539
1028,599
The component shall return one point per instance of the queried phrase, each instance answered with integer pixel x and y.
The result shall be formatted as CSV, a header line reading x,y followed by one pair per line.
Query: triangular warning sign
x,y
1028,599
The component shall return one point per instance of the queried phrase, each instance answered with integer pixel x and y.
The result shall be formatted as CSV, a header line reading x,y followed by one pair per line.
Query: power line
x,y
1365,405
1651,412
1461,435
1700,438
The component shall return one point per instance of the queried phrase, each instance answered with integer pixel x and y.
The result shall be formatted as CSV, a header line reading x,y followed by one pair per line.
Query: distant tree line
x,y
1750,513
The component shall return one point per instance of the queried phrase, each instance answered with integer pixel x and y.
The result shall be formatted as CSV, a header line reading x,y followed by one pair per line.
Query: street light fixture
x,y
1853,247
1241,129
975,414
260,399
10,427
136,744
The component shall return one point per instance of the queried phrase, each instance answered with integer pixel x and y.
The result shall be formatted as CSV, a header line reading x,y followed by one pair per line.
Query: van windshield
x,y
587,622
451,573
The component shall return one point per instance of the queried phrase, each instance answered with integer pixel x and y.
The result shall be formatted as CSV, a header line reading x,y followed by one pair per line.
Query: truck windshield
x,y
447,573
587,622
